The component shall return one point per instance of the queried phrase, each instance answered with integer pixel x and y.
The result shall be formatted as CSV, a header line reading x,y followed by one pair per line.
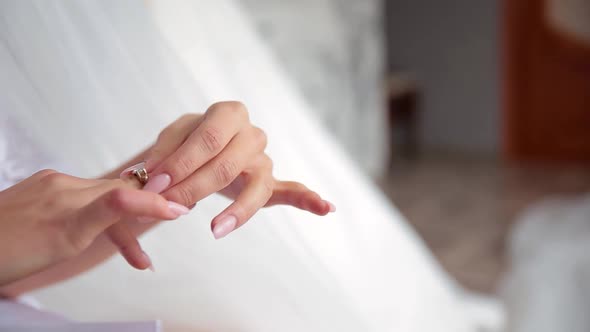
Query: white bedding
x,y
546,287
80,73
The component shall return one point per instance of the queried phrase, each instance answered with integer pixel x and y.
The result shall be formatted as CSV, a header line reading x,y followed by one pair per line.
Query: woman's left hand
x,y
221,151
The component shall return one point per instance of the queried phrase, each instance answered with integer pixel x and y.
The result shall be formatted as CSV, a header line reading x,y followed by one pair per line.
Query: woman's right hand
x,y
50,217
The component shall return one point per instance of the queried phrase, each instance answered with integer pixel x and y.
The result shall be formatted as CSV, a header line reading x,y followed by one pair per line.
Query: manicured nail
x,y
158,183
224,226
149,260
332,206
178,209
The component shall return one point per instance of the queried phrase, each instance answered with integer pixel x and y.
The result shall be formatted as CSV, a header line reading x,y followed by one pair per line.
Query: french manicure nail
x,y
224,226
158,183
178,209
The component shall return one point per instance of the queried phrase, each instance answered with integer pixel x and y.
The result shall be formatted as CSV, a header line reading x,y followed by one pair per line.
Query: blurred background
x,y
465,112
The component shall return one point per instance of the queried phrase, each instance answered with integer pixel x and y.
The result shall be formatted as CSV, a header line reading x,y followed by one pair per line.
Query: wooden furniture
x,y
546,88
402,105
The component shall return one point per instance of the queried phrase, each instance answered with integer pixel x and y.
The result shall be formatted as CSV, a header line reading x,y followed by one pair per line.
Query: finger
x,y
110,208
252,198
217,173
171,138
128,245
121,235
101,187
297,195
219,125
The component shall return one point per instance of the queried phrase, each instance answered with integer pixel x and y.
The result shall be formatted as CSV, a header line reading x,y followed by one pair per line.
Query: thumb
x,y
111,207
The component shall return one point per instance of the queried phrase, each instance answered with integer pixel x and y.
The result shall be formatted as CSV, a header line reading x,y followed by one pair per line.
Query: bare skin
x,y
55,226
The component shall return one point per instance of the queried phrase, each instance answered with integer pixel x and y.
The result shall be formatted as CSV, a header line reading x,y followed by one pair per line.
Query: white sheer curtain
x,y
334,51
94,81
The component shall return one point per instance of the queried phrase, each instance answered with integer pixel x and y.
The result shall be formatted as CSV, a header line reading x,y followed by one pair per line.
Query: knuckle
x,y
237,107
173,128
183,195
54,179
226,171
183,166
211,139
260,138
166,132
298,187
43,173
233,107
186,117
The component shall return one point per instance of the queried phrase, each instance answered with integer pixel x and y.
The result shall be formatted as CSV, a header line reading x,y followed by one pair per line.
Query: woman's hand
x,y
221,151
50,217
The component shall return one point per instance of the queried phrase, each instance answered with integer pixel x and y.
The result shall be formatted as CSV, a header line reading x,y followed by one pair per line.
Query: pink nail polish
x,y
332,206
224,226
158,183
178,209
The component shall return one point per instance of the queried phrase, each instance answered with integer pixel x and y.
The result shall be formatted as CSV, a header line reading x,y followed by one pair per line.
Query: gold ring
x,y
142,175
138,171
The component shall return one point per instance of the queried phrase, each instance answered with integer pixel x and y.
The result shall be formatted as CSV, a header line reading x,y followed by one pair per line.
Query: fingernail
x,y
149,260
224,226
158,183
332,206
178,209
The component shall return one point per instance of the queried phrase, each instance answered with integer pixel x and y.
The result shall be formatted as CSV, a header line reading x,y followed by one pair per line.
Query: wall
x,y
452,49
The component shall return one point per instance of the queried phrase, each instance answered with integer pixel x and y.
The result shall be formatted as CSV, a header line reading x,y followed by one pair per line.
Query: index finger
x,y
216,129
